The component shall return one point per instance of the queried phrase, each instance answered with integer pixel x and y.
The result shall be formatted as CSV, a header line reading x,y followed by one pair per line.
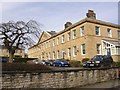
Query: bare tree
x,y
19,35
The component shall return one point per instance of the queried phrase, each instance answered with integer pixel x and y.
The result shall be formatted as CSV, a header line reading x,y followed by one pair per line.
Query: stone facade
x,y
5,53
57,79
68,44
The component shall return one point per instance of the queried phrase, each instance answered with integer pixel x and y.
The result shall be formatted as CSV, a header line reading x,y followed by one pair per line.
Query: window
x,y
74,34
49,43
69,52
82,31
63,54
53,54
8,51
74,50
69,36
109,32
97,29
58,54
16,51
49,55
83,49
98,48
46,44
58,40
20,51
118,34
53,42
62,38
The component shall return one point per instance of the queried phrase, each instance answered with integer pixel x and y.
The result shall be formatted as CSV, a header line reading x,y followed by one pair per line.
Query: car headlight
x,y
62,62
97,61
88,62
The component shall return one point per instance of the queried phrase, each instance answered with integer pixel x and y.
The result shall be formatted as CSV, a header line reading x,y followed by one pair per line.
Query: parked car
x,y
49,62
99,61
61,63
88,64
3,59
35,61
42,62
46,62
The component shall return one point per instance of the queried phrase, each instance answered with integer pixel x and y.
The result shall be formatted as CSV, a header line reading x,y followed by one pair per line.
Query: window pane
x,y
74,34
82,31
69,36
98,48
74,50
62,38
83,49
58,40
109,32
69,52
97,30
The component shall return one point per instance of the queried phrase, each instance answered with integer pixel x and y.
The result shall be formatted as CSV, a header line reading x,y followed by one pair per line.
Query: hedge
x,y
23,59
19,59
23,67
75,63
117,64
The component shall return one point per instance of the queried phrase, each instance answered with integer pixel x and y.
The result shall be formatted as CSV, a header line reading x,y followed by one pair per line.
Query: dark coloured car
x,y
49,62
46,62
89,64
99,61
3,59
61,63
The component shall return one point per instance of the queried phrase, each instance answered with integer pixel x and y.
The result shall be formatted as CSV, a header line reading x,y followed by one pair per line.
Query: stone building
x,y
84,39
5,53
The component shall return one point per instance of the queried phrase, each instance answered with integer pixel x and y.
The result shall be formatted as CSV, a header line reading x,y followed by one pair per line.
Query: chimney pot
x,y
91,14
67,24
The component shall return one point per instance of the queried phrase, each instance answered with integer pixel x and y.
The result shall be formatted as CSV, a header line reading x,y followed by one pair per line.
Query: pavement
x,y
108,84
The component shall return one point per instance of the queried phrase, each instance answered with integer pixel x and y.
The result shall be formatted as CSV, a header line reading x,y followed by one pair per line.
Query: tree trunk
x,y
10,57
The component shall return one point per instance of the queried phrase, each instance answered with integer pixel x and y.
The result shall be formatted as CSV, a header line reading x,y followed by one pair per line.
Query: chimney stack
x,y
67,24
91,14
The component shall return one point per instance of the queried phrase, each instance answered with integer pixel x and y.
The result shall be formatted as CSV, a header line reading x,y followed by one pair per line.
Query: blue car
x,y
61,63
3,59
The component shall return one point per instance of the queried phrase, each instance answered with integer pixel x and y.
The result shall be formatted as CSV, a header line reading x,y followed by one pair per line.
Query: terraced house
x,y
5,53
84,39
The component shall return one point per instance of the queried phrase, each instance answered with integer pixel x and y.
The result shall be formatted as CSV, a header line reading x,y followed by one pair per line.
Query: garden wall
x,y
57,78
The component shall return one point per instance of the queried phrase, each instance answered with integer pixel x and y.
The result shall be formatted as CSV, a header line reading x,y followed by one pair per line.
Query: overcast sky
x,y
53,15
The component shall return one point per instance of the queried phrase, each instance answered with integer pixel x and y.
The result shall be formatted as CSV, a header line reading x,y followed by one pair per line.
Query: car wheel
x,y
101,65
60,65
111,65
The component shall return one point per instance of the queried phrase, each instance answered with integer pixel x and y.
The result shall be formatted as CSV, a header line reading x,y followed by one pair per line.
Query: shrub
x,y
74,63
16,59
85,60
117,64
23,67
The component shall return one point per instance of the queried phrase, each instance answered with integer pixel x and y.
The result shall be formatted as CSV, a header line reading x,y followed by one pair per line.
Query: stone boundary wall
x,y
57,78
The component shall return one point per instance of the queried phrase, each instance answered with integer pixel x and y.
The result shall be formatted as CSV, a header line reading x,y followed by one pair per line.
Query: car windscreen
x,y
97,58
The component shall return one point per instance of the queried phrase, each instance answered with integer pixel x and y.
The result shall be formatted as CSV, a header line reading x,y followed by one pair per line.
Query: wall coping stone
x,y
58,70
